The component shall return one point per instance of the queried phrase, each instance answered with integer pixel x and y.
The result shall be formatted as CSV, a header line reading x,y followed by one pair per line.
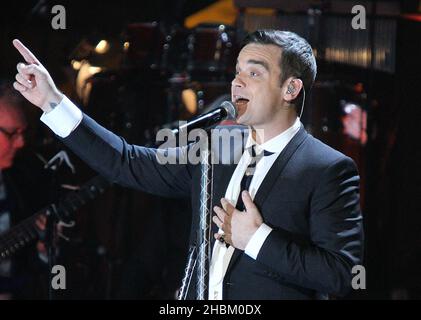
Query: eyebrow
x,y
259,62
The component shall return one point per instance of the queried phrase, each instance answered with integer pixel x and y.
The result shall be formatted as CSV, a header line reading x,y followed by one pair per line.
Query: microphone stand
x,y
204,230
205,220
199,255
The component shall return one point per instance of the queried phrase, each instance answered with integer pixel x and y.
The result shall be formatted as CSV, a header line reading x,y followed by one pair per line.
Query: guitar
x,y
27,231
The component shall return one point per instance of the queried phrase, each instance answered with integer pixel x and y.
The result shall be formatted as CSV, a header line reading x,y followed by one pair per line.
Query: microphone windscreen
x,y
230,109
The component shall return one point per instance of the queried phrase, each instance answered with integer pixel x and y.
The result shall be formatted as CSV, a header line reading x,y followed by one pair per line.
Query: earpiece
x,y
291,89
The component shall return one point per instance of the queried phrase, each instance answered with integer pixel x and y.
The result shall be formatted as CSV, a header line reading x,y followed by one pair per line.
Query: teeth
x,y
236,98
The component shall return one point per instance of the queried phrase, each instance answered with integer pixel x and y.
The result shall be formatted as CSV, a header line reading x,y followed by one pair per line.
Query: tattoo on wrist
x,y
53,105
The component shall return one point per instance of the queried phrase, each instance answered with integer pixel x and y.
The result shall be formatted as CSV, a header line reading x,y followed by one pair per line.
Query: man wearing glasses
x,y
14,205
12,128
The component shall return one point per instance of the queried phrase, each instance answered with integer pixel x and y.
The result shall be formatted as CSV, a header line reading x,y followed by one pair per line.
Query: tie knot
x,y
253,152
267,153
255,158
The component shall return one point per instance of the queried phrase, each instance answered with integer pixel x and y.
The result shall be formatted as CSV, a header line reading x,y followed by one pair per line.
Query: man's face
x,y
256,89
12,125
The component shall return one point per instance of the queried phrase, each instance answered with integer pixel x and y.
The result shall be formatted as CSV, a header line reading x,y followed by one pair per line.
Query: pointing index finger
x,y
25,52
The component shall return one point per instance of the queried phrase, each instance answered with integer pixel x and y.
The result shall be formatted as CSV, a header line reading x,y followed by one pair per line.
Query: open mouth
x,y
241,104
240,100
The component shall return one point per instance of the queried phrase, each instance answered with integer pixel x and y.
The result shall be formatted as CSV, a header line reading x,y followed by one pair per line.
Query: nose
x,y
238,82
19,141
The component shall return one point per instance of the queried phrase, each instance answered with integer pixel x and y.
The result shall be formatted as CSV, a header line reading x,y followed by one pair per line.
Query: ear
x,y
292,88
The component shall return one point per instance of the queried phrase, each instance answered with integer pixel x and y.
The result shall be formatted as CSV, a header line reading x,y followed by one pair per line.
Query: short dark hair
x,y
297,58
9,94
10,97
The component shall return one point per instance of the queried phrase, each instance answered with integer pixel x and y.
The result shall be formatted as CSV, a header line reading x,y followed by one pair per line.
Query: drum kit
x,y
164,75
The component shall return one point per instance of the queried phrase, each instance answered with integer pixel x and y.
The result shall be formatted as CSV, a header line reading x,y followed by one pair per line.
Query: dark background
x,y
114,254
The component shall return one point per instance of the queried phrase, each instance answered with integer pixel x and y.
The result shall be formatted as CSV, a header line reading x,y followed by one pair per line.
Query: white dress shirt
x,y
221,255
65,117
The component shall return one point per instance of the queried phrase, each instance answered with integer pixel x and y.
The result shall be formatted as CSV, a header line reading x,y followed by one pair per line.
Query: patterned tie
x,y
248,175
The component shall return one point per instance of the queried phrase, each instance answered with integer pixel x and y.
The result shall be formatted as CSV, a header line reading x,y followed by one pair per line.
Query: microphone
x,y
225,111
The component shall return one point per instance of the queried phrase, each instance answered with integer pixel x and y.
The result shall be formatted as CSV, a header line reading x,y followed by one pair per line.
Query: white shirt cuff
x,y
64,118
256,242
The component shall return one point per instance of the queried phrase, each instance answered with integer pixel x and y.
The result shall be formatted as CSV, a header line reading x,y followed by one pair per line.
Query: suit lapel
x,y
222,177
276,169
271,177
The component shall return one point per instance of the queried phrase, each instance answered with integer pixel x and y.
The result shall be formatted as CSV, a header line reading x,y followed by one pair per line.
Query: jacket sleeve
x,y
131,165
324,262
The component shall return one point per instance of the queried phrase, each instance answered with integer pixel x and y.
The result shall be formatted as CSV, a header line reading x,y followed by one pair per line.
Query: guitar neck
x,y
76,199
27,231
19,236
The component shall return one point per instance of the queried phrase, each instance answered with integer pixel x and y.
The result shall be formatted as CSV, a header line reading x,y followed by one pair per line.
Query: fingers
x,y
30,70
218,236
41,222
247,200
25,52
20,67
223,237
23,78
19,87
228,207
217,221
23,81
222,220
222,215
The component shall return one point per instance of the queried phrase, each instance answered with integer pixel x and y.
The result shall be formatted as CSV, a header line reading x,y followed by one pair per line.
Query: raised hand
x,y
34,82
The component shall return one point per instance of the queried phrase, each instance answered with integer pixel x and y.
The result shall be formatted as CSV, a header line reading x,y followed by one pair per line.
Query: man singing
x,y
288,220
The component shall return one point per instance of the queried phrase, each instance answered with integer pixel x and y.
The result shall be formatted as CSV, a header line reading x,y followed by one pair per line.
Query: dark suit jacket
x,y
310,197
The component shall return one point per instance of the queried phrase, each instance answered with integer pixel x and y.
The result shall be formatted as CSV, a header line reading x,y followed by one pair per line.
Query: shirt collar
x,y
277,143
